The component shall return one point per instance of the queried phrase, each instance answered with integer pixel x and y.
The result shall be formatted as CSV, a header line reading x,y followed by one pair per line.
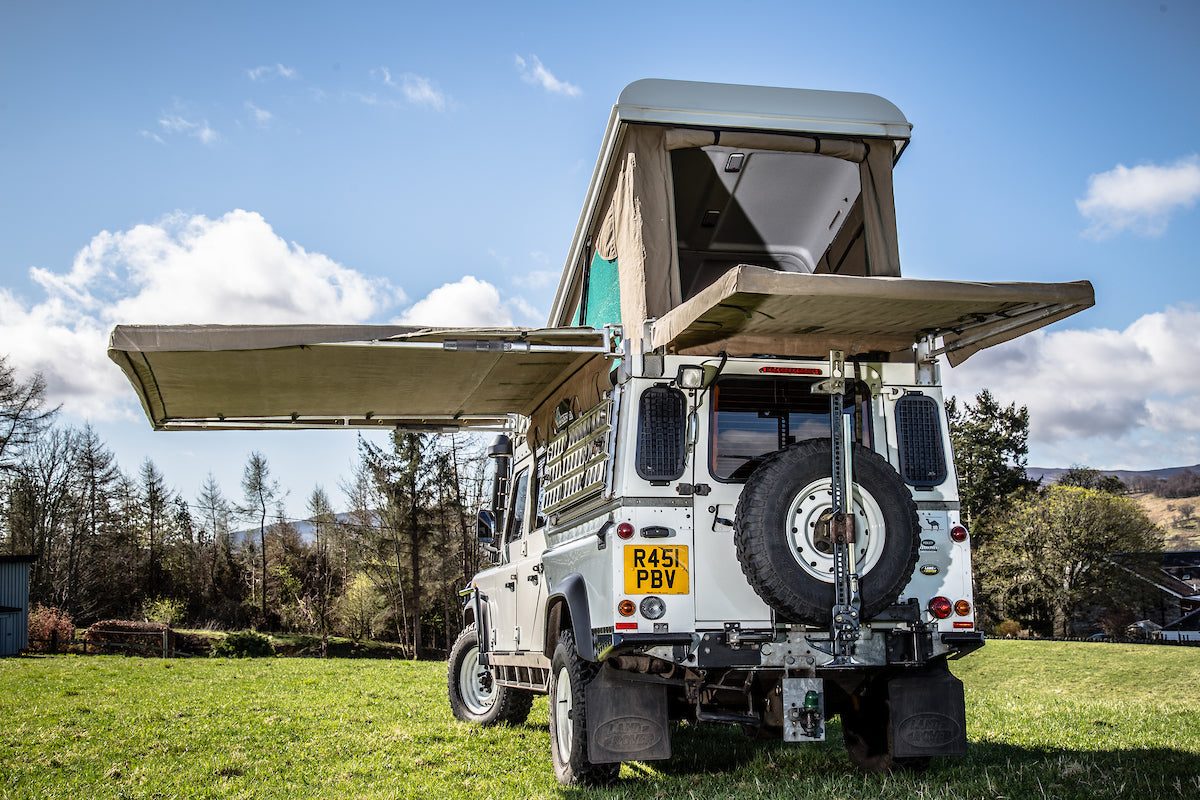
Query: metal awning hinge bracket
x,y
926,360
836,382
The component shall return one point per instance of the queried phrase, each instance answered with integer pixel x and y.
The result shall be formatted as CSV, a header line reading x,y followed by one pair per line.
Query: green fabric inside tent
x,y
603,294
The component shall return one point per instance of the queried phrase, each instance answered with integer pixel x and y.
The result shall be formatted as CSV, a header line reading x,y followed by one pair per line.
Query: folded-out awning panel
x,y
328,376
756,310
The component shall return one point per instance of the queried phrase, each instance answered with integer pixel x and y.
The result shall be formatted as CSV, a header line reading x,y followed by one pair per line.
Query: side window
x,y
516,519
661,438
539,495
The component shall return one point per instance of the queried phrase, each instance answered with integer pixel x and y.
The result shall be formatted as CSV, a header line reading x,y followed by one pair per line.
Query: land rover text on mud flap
x,y
724,490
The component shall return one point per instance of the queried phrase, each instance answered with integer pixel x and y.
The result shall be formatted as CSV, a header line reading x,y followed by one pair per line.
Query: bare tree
x,y
40,510
23,413
260,491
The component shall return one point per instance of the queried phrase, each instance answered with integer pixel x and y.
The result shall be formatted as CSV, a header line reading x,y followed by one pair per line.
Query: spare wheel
x,y
784,546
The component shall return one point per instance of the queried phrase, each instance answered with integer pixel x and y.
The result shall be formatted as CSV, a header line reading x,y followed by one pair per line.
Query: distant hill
x,y
1051,474
306,528
1182,532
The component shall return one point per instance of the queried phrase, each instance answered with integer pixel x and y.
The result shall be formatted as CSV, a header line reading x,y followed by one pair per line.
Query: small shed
x,y
14,604
1184,629
1143,629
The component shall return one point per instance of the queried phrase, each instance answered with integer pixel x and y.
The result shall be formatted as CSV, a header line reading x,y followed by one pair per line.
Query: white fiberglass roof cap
x,y
761,107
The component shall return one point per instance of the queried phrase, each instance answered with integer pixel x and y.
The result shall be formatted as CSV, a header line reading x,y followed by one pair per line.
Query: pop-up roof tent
x,y
752,219
740,219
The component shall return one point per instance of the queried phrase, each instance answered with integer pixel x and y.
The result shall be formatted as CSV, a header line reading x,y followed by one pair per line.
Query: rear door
x,y
722,592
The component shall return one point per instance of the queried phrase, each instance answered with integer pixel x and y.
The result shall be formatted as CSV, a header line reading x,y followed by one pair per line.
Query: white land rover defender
x,y
748,513
725,490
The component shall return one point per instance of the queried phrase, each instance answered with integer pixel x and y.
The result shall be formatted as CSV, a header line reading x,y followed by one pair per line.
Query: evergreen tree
x,y
990,449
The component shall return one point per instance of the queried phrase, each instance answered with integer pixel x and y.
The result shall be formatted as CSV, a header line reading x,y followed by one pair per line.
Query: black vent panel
x,y
919,431
662,423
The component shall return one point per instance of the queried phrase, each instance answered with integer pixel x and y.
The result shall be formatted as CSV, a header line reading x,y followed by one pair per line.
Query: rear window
x,y
751,418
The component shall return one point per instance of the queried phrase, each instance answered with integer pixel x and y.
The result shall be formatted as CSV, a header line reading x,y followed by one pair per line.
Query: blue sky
x,y
277,162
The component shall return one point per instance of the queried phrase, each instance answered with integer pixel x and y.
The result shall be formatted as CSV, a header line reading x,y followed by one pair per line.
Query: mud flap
x,y
928,715
626,719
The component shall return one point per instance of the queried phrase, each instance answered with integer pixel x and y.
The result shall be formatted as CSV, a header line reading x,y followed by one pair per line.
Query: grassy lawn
x,y
1046,720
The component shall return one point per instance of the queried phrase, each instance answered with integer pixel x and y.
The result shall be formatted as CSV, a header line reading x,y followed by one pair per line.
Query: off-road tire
x,y
764,538
485,703
569,745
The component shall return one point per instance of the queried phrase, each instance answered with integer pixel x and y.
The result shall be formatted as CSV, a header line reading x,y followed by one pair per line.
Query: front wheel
x,y
569,677
474,694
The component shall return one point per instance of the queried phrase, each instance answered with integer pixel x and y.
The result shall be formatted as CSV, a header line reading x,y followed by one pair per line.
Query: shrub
x,y
243,644
48,623
166,610
1009,628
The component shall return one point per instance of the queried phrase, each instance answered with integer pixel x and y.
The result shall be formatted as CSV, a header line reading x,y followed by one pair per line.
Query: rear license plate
x,y
656,569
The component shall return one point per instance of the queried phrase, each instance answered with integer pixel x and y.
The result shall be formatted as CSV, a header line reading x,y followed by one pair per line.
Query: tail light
x,y
625,530
626,608
940,607
958,533
962,608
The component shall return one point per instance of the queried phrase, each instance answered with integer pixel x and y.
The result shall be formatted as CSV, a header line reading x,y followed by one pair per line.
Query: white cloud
x,y
261,115
385,75
420,92
268,71
468,302
1140,199
527,313
534,72
176,123
537,279
1107,398
182,269
416,90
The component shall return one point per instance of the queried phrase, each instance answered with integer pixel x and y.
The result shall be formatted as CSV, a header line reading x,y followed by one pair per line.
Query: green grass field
x,y
1046,720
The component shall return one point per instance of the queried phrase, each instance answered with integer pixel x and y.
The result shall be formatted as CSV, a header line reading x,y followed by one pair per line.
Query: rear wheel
x,y
474,694
569,678
866,729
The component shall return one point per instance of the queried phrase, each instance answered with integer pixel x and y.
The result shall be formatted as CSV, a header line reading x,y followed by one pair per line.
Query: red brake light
x,y
789,371
940,607
625,530
958,533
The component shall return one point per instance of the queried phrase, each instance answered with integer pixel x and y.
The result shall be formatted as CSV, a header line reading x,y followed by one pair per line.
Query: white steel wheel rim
x,y
801,520
475,685
562,714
